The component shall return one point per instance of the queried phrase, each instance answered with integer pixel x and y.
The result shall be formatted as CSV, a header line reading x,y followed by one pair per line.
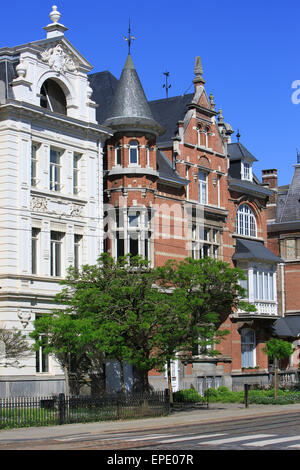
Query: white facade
x,y
50,190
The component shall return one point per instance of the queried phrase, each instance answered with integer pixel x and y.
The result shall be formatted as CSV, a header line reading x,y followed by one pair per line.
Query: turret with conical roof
x,y
130,109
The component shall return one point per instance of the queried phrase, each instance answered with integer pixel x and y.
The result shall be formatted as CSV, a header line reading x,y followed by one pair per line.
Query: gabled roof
x,y
237,151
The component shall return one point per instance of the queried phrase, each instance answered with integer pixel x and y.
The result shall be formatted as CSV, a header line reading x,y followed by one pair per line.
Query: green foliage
x,y
278,348
13,347
187,396
139,314
263,397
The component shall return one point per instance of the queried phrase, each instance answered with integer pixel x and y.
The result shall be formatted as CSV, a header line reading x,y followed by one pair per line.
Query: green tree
x,y
277,349
135,313
202,294
14,347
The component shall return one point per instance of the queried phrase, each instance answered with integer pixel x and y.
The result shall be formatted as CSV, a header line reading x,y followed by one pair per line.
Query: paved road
x,y
220,428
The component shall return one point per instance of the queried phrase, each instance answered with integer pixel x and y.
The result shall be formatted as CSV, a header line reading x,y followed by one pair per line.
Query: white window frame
x,y
245,221
248,348
42,360
246,171
202,187
118,155
34,164
205,242
55,171
133,224
76,172
35,238
56,251
135,147
77,250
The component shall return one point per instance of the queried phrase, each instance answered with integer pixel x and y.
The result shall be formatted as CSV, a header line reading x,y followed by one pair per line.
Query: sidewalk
x,y
217,412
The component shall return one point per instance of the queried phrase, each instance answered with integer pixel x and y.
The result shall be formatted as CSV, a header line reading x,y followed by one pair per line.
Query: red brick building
x,y
176,186
283,222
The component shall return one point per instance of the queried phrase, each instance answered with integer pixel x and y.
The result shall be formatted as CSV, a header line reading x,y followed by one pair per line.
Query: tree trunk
x,y
145,381
122,376
67,381
169,375
275,377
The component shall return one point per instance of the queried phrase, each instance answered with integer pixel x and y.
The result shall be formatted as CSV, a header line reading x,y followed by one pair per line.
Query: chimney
x,y
270,180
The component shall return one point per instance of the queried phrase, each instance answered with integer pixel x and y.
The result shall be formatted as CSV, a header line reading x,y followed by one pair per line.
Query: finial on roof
x,y
298,157
55,29
238,135
129,38
211,99
198,71
166,85
220,117
55,15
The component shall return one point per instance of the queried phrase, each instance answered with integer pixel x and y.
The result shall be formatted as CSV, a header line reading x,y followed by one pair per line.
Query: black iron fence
x,y
45,411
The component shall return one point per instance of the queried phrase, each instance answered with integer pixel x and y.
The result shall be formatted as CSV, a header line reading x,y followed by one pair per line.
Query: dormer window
x,y
246,171
52,97
133,152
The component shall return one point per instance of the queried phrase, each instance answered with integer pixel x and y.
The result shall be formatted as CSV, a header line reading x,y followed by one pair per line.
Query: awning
x,y
250,249
287,327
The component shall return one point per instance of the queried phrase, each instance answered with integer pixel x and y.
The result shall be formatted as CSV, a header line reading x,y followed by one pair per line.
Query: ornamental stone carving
x,y
38,204
24,317
58,59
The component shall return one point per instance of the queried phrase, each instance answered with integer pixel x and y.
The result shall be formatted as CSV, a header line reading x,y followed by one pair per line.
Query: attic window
x,y
53,97
246,171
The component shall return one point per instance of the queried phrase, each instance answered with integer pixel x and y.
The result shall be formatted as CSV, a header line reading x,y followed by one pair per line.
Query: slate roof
x,y
237,151
166,172
104,86
288,201
245,186
287,327
250,249
129,106
7,74
168,112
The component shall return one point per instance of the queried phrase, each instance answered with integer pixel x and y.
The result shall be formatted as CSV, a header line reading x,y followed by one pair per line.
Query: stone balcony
x,y
264,309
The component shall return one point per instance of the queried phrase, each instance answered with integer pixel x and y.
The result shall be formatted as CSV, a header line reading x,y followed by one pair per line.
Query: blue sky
x,y
249,49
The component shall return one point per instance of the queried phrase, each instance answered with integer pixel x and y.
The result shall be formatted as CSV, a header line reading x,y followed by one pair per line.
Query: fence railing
x,y
45,411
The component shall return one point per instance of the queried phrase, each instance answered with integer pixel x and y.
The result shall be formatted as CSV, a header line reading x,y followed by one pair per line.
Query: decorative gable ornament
x,y
58,59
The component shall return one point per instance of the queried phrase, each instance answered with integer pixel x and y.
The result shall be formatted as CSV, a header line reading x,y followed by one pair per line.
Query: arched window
x,y
133,152
245,222
53,97
248,343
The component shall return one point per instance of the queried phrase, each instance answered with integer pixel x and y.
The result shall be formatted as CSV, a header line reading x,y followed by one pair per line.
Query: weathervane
x,y
165,85
129,38
238,135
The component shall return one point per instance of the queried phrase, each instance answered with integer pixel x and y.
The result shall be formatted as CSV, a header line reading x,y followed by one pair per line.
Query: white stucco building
x,y
50,188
